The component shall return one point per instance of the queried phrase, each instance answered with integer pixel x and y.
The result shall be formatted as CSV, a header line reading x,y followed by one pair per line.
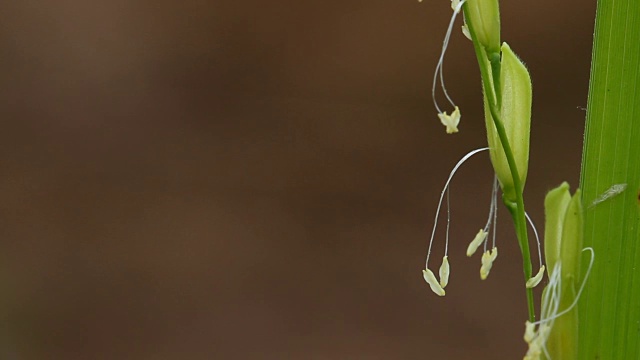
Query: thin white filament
x,y
446,186
446,241
493,213
535,232
550,305
495,208
439,66
575,301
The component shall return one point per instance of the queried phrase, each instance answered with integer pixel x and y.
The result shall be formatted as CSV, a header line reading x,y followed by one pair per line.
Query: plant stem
x,y
516,209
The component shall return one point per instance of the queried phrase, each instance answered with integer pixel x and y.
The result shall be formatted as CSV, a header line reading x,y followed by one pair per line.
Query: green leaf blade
x,y
610,307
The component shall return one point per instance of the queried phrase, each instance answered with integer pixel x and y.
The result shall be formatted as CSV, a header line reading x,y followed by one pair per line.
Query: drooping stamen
x,y
444,272
537,334
494,212
439,73
487,262
433,282
476,242
575,301
450,121
535,232
446,186
535,280
481,236
429,277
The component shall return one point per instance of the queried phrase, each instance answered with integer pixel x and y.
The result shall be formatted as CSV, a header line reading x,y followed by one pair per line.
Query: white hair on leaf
x,y
611,192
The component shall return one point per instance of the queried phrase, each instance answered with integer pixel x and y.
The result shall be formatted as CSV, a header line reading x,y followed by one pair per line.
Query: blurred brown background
x,y
257,180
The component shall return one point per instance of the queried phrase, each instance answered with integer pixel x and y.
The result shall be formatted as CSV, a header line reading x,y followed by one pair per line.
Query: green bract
x,y
485,16
555,208
515,113
563,231
563,244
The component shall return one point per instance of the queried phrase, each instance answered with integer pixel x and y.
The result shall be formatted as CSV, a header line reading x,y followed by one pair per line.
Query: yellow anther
x,y
534,352
536,339
455,5
450,121
534,281
476,242
487,262
433,282
444,272
529,332
465,31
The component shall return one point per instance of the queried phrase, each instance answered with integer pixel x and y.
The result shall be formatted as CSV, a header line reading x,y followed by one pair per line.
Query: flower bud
x,y
563,231
515,114
563,248
484,16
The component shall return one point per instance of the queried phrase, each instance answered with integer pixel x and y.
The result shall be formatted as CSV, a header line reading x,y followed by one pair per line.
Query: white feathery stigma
x,y
537,333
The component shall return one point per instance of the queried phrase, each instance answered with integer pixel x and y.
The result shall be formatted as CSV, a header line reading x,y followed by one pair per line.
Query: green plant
x,y
602,322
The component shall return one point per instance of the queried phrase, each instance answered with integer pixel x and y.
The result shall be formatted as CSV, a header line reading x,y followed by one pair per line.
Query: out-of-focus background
x,y
257,180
